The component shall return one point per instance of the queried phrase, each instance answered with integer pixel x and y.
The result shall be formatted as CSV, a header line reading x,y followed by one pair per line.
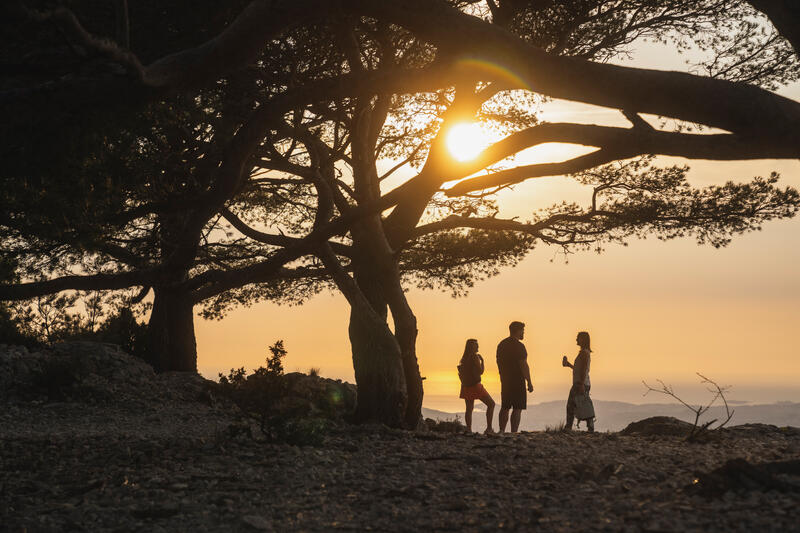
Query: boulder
x,y
659,426
70,370
315,394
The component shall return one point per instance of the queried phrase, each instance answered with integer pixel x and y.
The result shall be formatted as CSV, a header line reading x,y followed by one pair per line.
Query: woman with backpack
x,y
469,372
579,404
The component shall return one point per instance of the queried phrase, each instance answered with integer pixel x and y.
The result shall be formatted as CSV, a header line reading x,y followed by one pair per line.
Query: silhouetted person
x,y
580,379
469,371
512,362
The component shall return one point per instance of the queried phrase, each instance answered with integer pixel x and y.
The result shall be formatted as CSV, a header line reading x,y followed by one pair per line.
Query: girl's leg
x,y
468,413
489,412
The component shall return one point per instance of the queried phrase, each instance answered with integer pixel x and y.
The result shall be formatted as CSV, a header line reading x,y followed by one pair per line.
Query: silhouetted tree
x,y
422,64
448,242
141,207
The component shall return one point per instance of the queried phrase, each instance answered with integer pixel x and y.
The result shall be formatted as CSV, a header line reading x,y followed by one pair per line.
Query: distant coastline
x,y
614,416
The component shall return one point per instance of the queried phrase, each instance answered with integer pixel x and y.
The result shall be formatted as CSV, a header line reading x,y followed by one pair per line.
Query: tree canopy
x,y
252,161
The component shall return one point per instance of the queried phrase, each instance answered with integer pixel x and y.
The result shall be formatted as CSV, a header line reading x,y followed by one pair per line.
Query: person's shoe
x,y
488,431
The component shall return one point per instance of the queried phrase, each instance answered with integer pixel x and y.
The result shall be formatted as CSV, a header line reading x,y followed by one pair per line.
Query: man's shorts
x,y
513,395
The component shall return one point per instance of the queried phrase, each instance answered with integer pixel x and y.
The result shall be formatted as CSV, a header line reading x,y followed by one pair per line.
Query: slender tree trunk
x,y
405,331
406,334
171,340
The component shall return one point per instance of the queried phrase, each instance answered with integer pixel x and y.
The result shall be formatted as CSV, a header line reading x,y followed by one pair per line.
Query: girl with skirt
x,y
469,371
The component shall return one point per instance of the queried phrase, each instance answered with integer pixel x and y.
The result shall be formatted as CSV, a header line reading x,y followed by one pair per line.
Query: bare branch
x,y
719,392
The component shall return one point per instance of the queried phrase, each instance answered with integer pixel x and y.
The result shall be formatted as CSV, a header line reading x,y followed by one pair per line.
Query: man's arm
x,y
526,373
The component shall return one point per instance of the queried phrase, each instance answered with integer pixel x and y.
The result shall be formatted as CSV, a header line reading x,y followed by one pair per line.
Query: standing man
x,y
512,362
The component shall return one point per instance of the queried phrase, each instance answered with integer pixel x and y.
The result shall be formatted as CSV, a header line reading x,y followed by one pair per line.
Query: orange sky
x,y
654,309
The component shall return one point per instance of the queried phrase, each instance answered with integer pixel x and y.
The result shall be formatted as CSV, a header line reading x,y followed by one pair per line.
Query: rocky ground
x,y
139,452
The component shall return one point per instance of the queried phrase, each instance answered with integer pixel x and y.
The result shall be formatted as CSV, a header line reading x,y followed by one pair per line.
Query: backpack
x,y
584,408
466,375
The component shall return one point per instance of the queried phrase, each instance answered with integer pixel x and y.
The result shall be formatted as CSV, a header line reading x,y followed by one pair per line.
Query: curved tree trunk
x,y
378,366
171,340
377,359
406,333
387,375
385,363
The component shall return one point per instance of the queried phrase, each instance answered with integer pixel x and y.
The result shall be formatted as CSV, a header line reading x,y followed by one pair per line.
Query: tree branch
x,y
275,240
24,291
615,143
784,15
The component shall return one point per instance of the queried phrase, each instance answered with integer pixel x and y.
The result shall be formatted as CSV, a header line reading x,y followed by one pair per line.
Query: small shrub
x,y
235,378
446,426
11,332
275,360
313,371
300,431
263,396
123,329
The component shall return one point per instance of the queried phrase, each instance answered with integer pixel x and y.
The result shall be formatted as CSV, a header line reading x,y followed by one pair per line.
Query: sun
x,y
466,140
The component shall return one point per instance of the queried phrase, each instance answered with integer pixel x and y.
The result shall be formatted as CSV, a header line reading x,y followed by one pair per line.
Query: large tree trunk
x,y
379,370
405,324
385,363
171,340
377,359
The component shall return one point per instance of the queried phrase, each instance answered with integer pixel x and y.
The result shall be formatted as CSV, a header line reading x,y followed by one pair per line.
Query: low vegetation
x,y
294,408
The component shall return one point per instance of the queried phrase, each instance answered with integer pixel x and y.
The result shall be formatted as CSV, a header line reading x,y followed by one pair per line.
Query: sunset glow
x,y
466,140
400,266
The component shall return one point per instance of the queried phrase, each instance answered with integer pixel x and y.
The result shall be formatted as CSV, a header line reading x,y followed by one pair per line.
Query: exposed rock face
x,y
92,372
310,395
659,426
741,475
86,369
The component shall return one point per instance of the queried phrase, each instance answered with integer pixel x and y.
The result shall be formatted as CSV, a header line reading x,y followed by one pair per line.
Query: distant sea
x,y
633,393
614,416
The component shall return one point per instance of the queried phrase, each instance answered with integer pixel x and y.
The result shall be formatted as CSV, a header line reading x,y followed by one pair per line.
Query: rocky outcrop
x,y
70,370
312,395
659,426
91,372
740,475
